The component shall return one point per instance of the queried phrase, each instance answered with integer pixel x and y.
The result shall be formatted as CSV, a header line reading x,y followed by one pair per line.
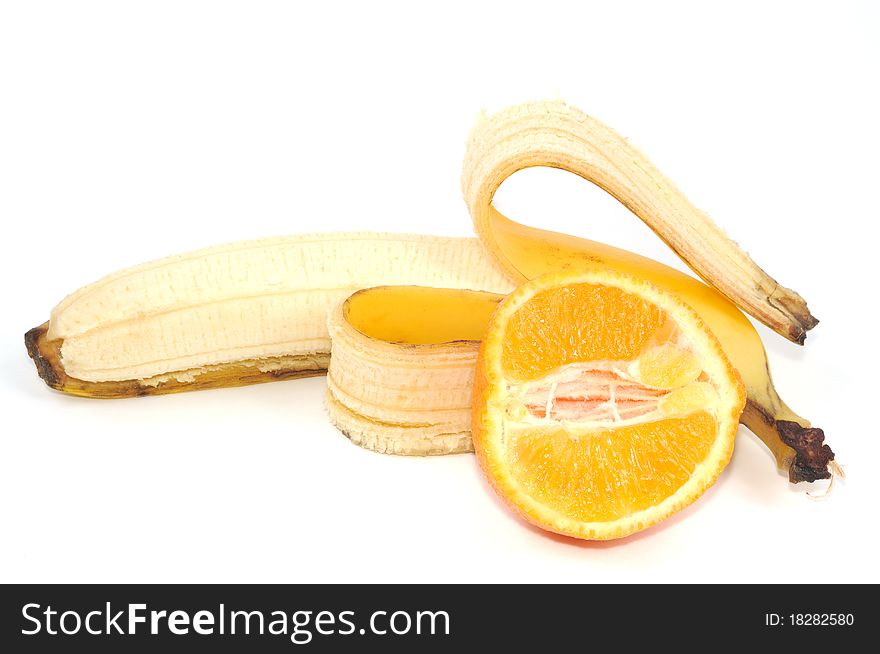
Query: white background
x,y
129,131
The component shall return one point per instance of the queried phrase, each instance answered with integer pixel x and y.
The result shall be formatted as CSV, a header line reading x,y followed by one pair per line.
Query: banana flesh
x,y
256,311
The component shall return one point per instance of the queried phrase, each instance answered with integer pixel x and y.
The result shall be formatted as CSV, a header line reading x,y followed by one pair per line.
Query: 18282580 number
x,y
821,619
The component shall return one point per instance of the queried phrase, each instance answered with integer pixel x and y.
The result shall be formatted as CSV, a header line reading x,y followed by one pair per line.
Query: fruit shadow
x,y
779,347
758,482
578,543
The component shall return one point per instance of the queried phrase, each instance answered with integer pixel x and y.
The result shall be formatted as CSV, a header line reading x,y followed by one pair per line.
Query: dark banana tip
x,y
800,320
34,341
813,456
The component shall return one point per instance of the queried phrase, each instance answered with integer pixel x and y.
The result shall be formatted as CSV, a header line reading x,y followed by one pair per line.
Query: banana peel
x,y
46,355
256,311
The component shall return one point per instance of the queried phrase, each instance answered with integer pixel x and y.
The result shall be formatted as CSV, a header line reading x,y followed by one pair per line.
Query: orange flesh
x,y
584,322
582,435
606,474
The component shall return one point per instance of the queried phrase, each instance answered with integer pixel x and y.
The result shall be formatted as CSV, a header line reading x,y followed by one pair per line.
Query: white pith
x,y
586,395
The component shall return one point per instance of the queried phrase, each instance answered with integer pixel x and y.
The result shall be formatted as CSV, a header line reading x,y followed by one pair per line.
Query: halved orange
x,y
602,404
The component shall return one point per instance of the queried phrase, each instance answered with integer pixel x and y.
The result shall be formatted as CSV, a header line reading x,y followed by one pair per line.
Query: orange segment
x,y
602,404
608,474
687,399
667,366
582,322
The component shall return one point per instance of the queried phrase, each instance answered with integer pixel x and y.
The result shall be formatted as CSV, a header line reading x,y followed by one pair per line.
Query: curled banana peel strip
x,y
402,372
406,313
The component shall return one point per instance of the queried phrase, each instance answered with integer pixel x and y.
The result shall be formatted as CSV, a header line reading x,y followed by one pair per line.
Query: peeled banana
x,y
233,314
403,354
